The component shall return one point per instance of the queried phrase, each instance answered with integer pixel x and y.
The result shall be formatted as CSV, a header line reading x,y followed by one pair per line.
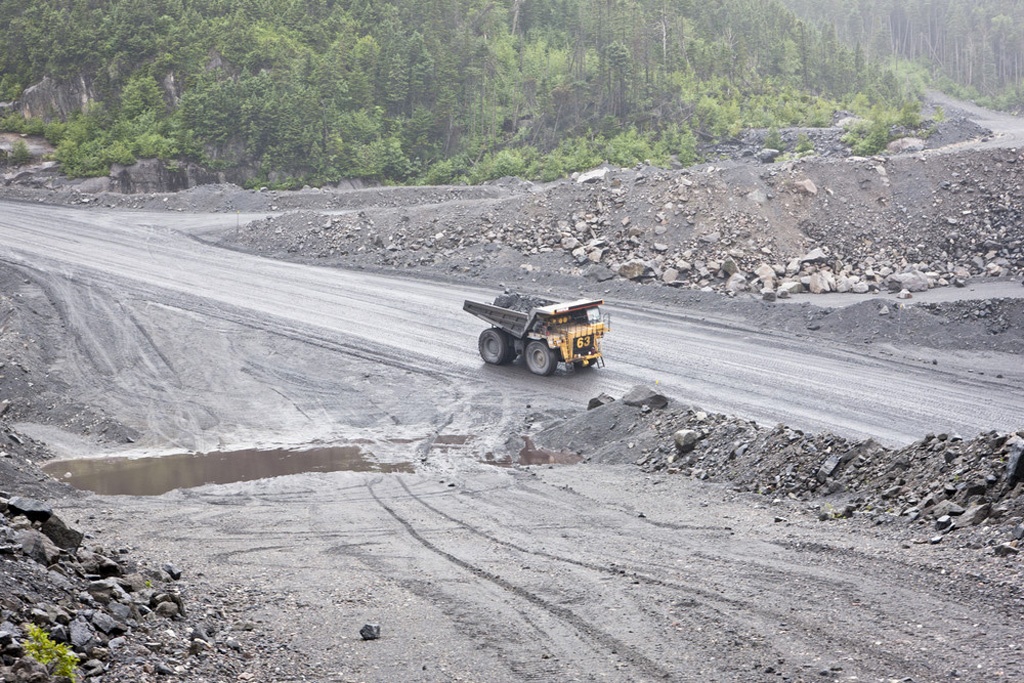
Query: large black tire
x,y
540,359
496,347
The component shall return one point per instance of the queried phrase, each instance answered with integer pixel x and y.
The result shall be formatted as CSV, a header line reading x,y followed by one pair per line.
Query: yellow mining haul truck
x,y
546,334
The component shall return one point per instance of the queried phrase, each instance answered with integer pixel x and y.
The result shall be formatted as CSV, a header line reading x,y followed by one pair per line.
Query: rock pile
x,y
903,224
939,485
97,612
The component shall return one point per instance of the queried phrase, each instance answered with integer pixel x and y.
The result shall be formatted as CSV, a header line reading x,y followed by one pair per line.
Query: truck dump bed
x,y
513,322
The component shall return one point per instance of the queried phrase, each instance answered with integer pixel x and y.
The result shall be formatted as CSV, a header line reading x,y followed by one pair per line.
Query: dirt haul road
x,y
200,348
477,573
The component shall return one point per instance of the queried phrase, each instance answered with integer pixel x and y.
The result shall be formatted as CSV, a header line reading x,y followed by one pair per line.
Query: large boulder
x,y
61,534
736,283
152,175
38,547
34,510
633,269
912,281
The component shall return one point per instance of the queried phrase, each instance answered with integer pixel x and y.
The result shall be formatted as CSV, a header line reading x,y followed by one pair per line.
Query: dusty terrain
x,y
824,487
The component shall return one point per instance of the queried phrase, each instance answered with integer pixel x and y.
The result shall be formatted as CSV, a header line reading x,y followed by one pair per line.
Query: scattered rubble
x,y
969,489
862,226
102,613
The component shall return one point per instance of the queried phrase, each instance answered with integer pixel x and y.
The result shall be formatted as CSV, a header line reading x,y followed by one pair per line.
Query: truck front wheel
x,y
496,347
540,359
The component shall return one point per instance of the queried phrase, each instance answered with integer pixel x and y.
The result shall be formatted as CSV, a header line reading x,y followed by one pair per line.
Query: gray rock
x,y
947,507
171,570
633,269
817,255
806,186
1015,461
105,590
974,515
38,547
644,396
64,536
600,400
168,610
766,274
81,633
34,510
105,623
370,632
94,563
737,283
829,467
912,281
819,283
686,440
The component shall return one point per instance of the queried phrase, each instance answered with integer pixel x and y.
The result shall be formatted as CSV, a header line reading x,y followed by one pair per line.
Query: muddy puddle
x,y
530,454
152,476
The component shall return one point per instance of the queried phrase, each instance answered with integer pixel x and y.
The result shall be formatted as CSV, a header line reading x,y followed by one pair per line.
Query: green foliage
x,y
910,114
868,137
520,162
20,154
44,650
971,49
774,140
317,90
445,172
804,144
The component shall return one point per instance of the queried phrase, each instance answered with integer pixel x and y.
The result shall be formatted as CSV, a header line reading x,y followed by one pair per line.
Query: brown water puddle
x,y
152,476
531,455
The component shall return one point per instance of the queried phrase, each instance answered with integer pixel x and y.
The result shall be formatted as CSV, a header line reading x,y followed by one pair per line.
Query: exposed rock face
x,y
56,100
153,175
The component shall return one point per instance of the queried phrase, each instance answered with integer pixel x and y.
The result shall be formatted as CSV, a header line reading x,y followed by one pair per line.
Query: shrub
x,y
44,650
804,144
20,154
774,140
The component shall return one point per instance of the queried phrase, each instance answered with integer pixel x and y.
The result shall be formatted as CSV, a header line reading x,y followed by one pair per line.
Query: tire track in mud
x,y
800,632
644,664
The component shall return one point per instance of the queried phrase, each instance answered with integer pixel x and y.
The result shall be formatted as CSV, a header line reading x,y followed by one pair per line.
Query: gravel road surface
x,y
186,343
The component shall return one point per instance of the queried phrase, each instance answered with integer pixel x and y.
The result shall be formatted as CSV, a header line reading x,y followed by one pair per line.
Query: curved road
x,y
199,348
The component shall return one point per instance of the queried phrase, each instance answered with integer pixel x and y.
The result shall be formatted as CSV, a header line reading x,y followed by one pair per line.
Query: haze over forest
x,y
288,92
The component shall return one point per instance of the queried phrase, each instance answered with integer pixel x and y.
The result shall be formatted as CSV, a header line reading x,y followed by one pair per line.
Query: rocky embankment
x,y
81,611
942,488
905,223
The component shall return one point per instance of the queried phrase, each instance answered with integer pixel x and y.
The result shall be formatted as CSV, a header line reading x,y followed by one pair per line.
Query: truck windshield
x,y
593,315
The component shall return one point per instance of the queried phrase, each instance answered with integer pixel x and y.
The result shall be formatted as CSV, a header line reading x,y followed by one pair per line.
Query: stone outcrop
x,y
51,100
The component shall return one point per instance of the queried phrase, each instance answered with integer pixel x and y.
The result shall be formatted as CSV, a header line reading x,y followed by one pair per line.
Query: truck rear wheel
x,y
496,347
540,359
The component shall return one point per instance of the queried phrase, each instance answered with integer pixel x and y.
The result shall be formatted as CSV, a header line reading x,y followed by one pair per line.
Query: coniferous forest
x,y
431,91
974,48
